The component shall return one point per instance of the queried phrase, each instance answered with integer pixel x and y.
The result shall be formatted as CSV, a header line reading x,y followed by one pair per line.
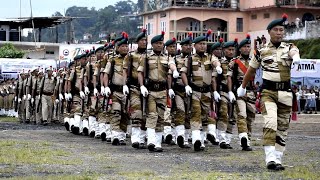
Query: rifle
x,y
62,92
146,84
234,88
40,93
189,76
110,81
173,102
17,97
82,84
129,76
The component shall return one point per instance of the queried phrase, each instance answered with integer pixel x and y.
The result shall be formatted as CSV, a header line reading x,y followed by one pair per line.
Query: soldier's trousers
x,y
1,102
200,110
11,98
93,106
47,105
6,102
118,120
135,109
246,111
276,109
179,109
157,101
76,105
28,109
103,116
223,117
38,114
22,111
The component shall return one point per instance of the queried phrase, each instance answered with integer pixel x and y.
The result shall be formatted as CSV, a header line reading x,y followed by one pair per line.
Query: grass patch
x,y
8,119
138,174
7,169
34,153
301,172
52,177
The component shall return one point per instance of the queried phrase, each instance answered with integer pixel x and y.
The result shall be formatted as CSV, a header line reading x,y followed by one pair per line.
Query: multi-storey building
x,y
228,19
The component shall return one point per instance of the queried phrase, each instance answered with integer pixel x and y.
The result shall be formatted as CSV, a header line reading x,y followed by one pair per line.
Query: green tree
x,y
9,51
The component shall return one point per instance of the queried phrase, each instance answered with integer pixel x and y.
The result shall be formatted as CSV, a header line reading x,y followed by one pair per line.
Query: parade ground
x,y
50,152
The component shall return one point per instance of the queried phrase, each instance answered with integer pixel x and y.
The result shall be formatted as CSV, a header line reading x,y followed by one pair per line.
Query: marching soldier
x,y
37,98
21,97
2,97
47,88
131,90
11,97
113,81
196,75
223,95
68,117
59,89
30,103
245,106
153,75
275,58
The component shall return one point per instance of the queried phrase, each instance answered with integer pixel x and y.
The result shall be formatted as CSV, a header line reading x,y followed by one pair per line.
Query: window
x,y
49,52
266,15
163,26
163,15
253,16
149,28
239,24
150,17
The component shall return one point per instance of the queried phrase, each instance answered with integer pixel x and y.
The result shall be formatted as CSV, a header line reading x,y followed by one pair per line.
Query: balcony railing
x,y
214,37
310,30
312,3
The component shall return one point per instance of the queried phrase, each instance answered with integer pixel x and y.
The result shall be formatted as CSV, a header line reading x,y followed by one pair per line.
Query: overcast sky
x,y
11,8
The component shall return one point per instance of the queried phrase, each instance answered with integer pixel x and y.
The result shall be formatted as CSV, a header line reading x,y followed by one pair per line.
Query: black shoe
x,y
108,140
223,145
85,131
244,144
75,130
158,149
180,141
67,126
212,139
142,146
45,123
201,148
135,145
34,123
186,146
228,146
205,141
92,134
168,139
197,145
151,147
122,143
103,137
272,166
280,167
27,121
115,142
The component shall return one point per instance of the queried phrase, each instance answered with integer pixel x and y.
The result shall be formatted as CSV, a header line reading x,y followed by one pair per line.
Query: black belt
x,y
116,88
203,89
223,88
157,86
47,93
276,86
179,88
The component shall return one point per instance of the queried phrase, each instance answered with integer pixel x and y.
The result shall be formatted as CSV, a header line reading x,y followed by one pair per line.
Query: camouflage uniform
x,y
276,96
201,97
245,106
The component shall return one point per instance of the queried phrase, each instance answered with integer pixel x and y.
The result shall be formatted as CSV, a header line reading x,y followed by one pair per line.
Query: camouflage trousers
x,y
38,114
118,119
276,109
22,111
103,115
179,110
156,104
246,112
200,110
76,105
135,109
10,101
223,117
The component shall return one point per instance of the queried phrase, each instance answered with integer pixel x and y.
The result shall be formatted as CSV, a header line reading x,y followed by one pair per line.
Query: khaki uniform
x,y
118,121
47,98
276,96
2,95
245,106
157,99
75,78
11,96
37,87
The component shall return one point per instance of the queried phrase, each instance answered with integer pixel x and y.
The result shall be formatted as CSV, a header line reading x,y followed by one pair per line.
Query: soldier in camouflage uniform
x,y
276,58
133,59
245,106
199,88
118,121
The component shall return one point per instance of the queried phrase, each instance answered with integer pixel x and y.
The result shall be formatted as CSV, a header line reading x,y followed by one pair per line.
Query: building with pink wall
x,y
228,19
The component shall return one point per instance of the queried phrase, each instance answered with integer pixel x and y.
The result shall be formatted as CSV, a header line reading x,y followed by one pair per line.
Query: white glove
x,y
24,97
7,92
39,96
216,96
1,92
171,93
175,74
61,97
232,98
219,69
54,74
15,98
107,91
144,91
69,96
32,100
28,96
57,100
188,90
19,100
296,58
241,91
102,91
86,90
95,92
82,95
125,90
